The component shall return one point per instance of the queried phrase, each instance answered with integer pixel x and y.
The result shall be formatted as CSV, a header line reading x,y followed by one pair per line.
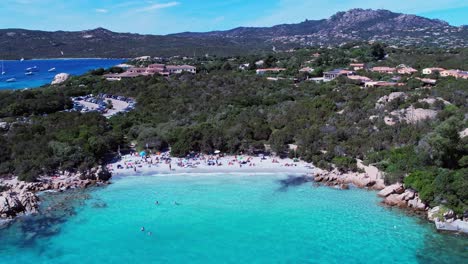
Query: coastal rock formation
x,y
60,78
396,195
13,203
342,180
395,200
20,197
396,188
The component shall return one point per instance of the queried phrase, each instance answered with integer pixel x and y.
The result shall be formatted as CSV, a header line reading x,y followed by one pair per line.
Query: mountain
x,y
353,25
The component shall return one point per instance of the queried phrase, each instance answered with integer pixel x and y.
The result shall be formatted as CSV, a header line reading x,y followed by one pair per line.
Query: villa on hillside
x,y
330,75
174,69
454,73
272,70
428,71
357,66
306,69
152,69
388,70
381,84
403,69
427,81
360,79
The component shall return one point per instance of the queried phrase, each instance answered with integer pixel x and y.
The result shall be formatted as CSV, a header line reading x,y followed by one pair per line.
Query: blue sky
x,y
171,16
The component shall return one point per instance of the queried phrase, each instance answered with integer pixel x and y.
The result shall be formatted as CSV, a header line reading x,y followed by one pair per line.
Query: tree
x,y
377,51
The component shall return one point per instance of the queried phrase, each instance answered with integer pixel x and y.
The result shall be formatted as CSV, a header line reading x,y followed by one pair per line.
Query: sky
x,y
173,16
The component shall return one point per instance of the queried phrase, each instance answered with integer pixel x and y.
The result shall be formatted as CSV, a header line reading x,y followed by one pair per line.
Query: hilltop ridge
x,y
343,27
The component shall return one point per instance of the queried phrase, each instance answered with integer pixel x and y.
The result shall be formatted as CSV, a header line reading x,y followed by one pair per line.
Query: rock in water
x,y
60,78
396,188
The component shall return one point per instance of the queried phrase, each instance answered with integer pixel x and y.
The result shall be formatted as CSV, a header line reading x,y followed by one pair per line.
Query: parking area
x,y
107,105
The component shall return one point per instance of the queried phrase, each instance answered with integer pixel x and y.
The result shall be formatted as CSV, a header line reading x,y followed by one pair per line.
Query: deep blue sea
x,y
222,218
17,69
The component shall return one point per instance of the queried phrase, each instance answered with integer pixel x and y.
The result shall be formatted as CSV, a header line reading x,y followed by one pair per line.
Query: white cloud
x,y
158,6
101,10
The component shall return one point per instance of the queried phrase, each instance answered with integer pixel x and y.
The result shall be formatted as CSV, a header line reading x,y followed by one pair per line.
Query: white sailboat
x,y
11,80
52,69
3,69
22,59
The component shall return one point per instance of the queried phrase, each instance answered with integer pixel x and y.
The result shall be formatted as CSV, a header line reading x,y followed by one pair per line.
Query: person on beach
x,y
170,167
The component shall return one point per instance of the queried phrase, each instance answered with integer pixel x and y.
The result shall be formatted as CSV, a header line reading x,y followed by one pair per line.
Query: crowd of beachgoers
x,y
163,162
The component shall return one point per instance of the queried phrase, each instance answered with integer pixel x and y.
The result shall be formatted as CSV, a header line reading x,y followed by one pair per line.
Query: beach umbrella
x,y
217,151
143,153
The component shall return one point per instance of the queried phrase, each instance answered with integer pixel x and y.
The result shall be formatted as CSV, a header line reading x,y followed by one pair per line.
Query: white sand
x,y
135,165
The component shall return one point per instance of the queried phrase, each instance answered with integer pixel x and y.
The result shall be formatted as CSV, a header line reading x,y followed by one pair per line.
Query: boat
x,y
22,59
31,69
3,69
28,73
11,80
52,69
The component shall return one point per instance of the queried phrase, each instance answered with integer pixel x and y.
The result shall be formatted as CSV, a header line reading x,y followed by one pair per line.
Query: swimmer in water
x,y
156,203
176,203
149,233
142,229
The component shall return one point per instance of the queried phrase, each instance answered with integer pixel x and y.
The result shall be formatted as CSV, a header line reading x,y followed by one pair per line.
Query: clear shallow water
x,y
231,219
17,69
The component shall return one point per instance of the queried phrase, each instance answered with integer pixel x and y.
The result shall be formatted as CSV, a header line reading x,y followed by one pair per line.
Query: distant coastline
x,y
77,58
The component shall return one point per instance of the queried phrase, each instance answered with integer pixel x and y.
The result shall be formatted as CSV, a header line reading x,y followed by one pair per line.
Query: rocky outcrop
x,y
396,195
16,202
453,226
20,197
343,180
396,188
60,78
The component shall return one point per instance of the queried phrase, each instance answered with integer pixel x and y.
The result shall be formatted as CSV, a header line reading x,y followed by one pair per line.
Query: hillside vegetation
x,y
223,108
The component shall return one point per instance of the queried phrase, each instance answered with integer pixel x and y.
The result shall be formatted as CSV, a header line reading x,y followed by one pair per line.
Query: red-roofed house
x,y
428,71
357,66
361,79
406,70
174,69
387,70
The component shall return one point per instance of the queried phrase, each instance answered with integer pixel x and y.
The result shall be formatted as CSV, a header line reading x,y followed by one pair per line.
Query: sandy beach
x,y
164,164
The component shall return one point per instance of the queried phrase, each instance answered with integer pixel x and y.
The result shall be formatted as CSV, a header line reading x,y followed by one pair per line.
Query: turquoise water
x,y
41,75
229,219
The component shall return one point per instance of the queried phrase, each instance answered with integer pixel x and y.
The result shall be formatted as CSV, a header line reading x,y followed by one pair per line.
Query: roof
x,y
156,65
180,67
335,71
383,68
306,69
359,78
434,69
272,69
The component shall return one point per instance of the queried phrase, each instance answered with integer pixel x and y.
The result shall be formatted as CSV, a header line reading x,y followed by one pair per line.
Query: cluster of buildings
x,y
400,69
152,69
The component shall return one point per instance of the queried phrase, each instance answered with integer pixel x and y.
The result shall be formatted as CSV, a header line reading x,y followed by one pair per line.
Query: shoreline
x,y
134,165
163,165
77,58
